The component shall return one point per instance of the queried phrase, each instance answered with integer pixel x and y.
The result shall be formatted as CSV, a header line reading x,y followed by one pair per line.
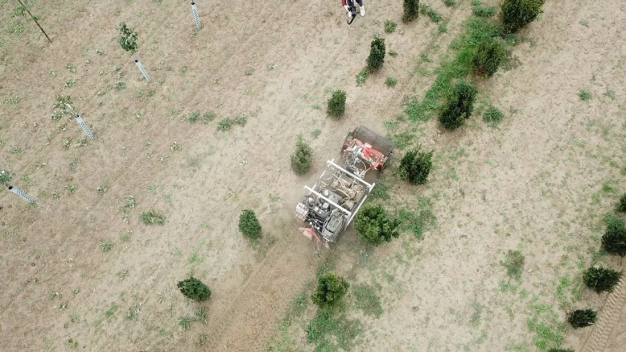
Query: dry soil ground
x,y
541,182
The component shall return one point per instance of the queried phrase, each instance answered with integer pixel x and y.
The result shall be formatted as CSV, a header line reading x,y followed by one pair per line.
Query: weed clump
x,y
377,55
621,206
614,239
484,11
488,57
514,264
5,177
516,14
434,15
459,106
337,104
449,3
390,26
493,116
374,226
415,166
391,82
194,289
127,38
581,318
302,158
584,95
249,225
601,279
152,218
330,289
411,8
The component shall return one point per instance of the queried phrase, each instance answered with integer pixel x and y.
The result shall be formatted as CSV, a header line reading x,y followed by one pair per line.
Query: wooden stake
x,y
31,16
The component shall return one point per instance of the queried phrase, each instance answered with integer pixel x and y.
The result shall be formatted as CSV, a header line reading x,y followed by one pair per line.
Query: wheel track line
x,y
611,312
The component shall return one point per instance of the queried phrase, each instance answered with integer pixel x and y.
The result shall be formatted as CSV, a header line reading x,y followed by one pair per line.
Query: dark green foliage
x,y
374,225
488,57
302,158
601,279
581,318
330,289
337,104
514,264
127,38
249,225
377,54
484,11
415,166
411,8
459,106
518,13
5,177
621,206
194,289
152,218
614,239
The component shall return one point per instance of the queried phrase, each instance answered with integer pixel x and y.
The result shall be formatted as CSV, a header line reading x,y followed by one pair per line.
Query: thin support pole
x,y
196,15
37,23
143,71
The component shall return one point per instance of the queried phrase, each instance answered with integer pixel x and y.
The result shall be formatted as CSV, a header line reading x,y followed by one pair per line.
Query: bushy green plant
x,y
621,206
330,289
488,56
411,9
302,158
5,177
194,289
614,239
337,104
377,54
415,166
601,279
249,225
374,226
518,13
127,38
459,106
581,318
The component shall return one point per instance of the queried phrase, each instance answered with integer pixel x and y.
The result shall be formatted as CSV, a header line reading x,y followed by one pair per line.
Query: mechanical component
x,y
332,203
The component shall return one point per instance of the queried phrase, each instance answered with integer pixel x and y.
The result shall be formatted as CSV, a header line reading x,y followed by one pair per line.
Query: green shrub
x,y
484,11
337,104
330,289
488,56
601,279
302,158
411,8
127,38
518,13
249,225
449,3
374,226
5,177
581,318
614,239
459,106
194,289
390,26
621,206
415,166
514,264
377,55
391,82
152,218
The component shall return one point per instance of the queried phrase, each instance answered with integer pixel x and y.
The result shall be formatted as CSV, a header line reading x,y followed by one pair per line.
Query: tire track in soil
x,y
599,336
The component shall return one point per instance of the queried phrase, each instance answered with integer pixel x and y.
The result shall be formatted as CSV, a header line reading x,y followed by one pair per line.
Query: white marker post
x,y
196,15
82,124
21,193
143,71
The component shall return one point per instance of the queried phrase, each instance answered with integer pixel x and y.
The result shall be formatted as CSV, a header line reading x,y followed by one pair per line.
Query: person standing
x,y
351,3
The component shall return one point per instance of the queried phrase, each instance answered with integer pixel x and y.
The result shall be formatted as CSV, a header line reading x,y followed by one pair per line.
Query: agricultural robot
x,y
332,203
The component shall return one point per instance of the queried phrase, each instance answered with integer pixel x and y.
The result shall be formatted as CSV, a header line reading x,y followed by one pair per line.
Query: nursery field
x,y
155,198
